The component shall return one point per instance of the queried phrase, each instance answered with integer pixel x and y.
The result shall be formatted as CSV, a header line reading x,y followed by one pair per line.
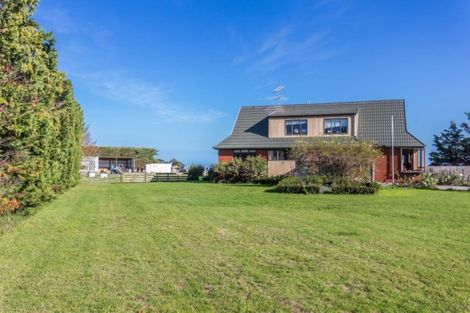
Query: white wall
x,y
158,168
89,164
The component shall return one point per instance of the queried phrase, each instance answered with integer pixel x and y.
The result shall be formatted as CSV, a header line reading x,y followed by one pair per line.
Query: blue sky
x,y
173,74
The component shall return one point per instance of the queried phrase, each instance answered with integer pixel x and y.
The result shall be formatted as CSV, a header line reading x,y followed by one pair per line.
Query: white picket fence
x,y
456,170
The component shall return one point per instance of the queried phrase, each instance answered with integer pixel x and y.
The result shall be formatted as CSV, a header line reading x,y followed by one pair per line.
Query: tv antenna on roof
x,y
277,93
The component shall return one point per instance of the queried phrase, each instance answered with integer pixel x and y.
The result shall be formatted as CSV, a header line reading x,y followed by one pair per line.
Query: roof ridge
x,y
325,103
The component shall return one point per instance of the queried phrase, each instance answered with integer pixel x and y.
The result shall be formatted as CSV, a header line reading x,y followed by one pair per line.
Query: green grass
x,y
200,247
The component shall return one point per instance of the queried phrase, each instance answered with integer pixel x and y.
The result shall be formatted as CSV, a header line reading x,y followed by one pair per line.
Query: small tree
x,y
466,141
89,147
175,162
449,147
351,160
195,171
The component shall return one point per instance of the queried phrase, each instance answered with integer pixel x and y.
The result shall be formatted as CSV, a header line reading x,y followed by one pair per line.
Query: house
x,y
95,164
117,159
270,131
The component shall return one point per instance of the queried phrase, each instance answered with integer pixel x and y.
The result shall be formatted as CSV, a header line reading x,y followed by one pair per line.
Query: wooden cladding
x,y
315,126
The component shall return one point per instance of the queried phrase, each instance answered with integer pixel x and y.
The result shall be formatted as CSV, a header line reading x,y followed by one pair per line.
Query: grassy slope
x,y
170,247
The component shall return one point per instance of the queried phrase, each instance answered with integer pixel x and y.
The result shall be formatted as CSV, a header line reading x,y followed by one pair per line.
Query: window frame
x,y
325,120
278,155
300,122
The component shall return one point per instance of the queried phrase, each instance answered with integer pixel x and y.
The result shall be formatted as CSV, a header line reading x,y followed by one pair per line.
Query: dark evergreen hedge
x,y
40,121
353,187
294,184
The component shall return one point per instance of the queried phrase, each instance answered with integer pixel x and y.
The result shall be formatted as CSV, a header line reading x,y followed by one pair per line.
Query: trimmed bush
x,y
313,183
195,171
291,184
273,180
314,180
353,187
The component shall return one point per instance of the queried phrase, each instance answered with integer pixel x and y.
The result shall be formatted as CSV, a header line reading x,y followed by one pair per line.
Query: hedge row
x,y
313,184
353,187
40,121
293,184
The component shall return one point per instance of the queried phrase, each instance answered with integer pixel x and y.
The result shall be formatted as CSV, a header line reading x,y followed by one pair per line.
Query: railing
x,y
136,178
152,177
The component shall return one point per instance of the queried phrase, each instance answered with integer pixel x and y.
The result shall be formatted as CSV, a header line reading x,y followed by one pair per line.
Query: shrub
x,y
272,180
447,179
336,160
426,181
195,171
313,183
312,188
250,170
314,180
354,187
291,184
294,184
211,175
8,205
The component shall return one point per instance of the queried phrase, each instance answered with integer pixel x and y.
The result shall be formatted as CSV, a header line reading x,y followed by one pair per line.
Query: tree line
x,y
41,123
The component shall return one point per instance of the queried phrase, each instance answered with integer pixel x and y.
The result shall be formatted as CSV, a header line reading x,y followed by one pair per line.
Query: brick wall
x,y
383,167
225,155
262,153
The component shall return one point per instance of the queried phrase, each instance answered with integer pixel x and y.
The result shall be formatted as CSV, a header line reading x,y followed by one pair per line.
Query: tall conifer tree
x,y
40,121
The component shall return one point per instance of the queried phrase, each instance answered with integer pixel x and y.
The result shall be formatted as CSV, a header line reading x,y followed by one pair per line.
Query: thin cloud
x,y
300,44
287,47
114,86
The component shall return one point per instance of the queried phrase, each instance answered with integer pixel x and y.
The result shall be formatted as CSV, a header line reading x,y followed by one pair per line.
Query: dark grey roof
x,y
307,110
374,123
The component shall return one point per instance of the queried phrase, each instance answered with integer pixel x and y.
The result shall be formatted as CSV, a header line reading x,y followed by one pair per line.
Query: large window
x,y
412,160
295,127
336,126
244,153
277,155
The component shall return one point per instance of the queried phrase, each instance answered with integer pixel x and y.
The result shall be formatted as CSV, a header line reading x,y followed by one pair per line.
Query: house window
x,y
277,155
243,153
336,126
295,127
412,160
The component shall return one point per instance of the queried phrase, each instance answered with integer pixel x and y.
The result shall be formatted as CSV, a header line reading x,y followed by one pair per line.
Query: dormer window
x,y
335,126
295,127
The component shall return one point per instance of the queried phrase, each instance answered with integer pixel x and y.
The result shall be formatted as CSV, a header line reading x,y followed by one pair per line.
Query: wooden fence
x,y
136,178
152,177
463,171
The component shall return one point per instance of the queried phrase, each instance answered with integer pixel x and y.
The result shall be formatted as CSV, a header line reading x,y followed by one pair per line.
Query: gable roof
x,y
374,123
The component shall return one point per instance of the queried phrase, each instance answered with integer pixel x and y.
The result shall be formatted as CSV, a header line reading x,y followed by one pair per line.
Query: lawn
x,y
201,247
